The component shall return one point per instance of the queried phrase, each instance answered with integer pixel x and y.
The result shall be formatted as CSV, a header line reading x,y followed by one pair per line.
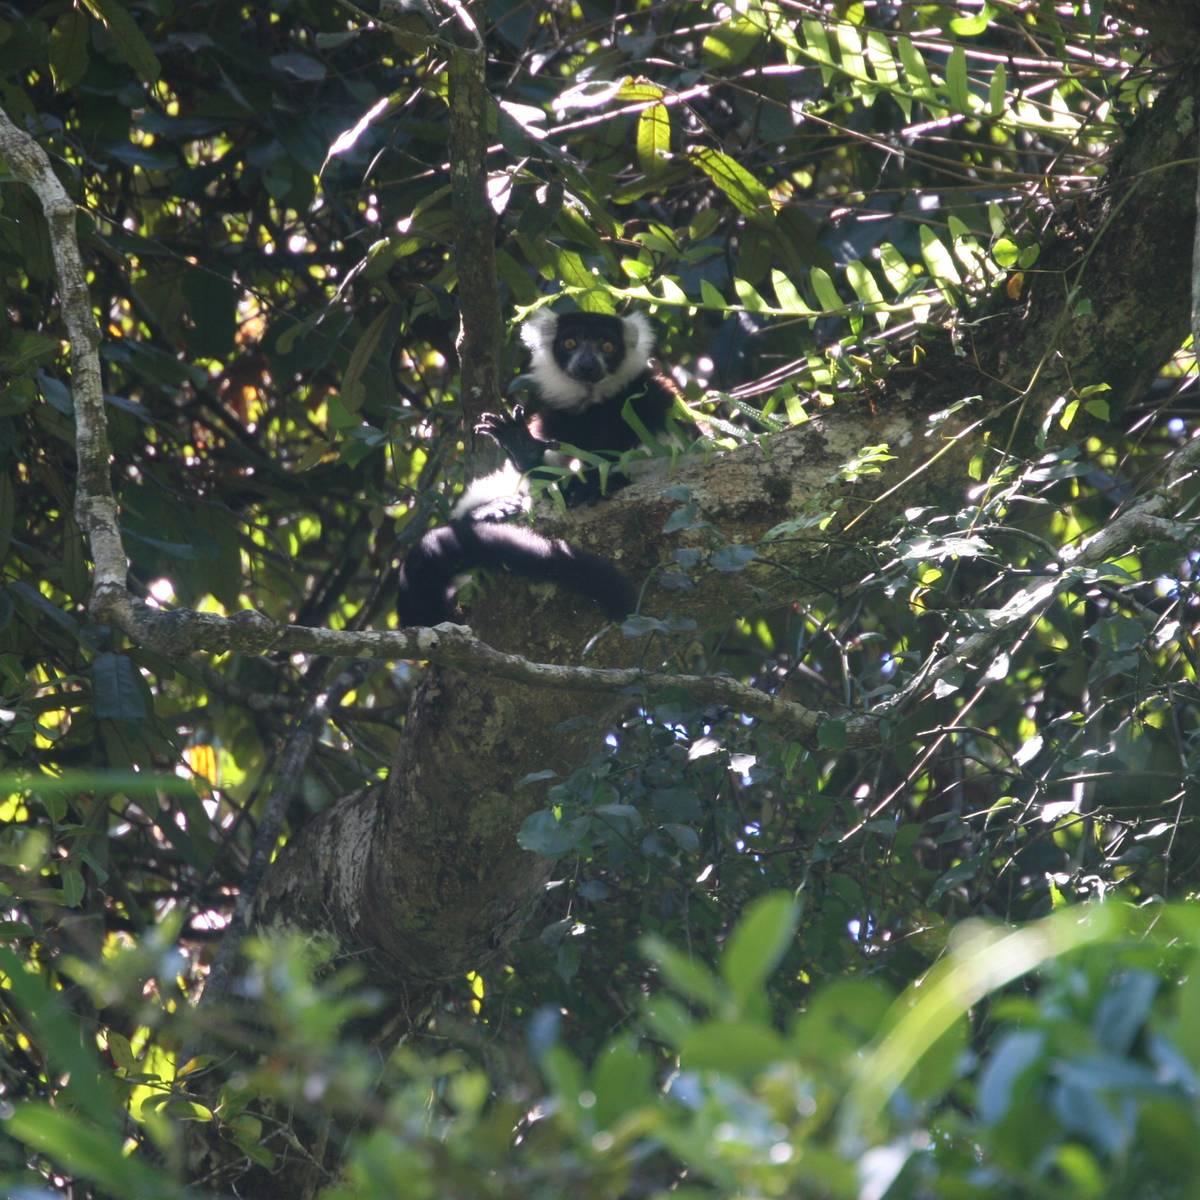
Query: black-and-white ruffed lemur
x,y
585,367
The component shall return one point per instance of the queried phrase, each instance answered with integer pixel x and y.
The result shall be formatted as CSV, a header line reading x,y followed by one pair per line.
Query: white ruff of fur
x,y
505,484
557,389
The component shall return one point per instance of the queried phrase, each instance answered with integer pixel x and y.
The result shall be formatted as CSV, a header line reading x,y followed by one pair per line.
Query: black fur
x,y
429,573
585,368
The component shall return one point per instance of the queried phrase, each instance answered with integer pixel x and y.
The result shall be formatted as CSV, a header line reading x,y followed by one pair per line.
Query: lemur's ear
x,y
639,336
537,331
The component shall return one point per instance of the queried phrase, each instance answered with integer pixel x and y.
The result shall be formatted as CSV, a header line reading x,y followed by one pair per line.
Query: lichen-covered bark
x,y
95,505
475,227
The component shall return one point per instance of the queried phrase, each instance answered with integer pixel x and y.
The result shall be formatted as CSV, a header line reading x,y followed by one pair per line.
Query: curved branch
x,y
95,504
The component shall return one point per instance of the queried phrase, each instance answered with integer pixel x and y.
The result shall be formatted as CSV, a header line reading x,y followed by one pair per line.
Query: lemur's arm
x,y
511,434
527,453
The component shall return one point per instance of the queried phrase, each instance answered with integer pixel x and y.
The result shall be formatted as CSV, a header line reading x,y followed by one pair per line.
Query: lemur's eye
x,y
569,343
608,347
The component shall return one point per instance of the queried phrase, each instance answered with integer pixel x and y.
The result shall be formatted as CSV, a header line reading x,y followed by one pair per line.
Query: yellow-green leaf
x,y
729,42
866,288
788,296
752,301
826,293
916,72
653,137
745,192
710,296
997,90
957,85
938,259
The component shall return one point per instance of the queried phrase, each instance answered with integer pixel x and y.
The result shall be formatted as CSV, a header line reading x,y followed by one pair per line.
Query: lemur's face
x,y
589,347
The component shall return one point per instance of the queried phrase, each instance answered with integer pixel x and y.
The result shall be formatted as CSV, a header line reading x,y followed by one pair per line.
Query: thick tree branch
x,y
288,779
480,334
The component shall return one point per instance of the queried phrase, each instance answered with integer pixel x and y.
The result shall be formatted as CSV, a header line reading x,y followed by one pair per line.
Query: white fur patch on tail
x,y
505,484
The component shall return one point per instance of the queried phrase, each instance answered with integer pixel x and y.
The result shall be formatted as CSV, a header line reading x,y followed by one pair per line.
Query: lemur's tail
x,y
429,573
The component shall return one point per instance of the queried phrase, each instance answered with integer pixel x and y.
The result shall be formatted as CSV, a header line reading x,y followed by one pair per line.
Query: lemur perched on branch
x,y
585,368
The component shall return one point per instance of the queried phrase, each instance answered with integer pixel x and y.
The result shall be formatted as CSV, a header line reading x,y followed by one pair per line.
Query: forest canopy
x,y
858,861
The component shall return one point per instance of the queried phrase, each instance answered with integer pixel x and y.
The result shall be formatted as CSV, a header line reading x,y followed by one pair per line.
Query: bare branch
x,y
95,506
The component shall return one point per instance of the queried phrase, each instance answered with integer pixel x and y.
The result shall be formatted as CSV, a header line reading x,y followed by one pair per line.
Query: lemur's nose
x,y
587,366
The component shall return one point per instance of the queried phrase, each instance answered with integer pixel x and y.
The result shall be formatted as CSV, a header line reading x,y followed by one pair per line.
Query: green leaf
x,y
851,51
729,42
744,191
711,297
69,48
121,1051
957,84
859,276
667,1019
886,70
571,268
57,1035
732,558
623,817
24,349
684,836
118,690
750,299
758,942
998,90
129,40
825,291
352,391
542,833
1117,634
917,73
787,295
982,960
653,137
633,90
1005,251
737,1048
685,974
973,25
959,873
622,1080
939,260
84,1149
131,783
1124,1009
299,66
817,43
73,888
212,305
1012,1056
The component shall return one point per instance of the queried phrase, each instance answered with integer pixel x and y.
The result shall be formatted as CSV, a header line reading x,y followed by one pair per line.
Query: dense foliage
x,y
709,999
